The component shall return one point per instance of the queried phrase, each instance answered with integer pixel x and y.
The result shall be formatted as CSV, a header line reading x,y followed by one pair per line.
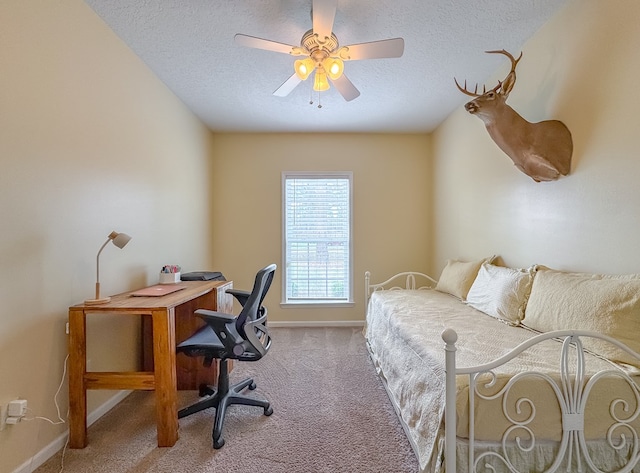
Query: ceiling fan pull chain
x,y
319,103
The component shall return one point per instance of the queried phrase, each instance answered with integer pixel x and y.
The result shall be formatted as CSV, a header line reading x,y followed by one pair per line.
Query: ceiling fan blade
x,y
287,87
259,43
323,13
346,88
385,48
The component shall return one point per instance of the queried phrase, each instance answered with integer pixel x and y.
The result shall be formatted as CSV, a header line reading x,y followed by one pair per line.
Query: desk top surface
x,y
127,302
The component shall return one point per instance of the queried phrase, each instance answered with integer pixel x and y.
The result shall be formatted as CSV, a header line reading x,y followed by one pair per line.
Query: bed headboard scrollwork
x,y
407,280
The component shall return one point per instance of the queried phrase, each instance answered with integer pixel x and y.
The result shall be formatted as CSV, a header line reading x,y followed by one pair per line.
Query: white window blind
x,y
317,238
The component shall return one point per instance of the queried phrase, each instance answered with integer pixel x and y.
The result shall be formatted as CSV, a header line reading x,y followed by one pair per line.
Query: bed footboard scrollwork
x,y
572,388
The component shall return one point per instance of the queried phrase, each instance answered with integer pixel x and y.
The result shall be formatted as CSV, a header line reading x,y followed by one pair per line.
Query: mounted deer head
x,y
541,150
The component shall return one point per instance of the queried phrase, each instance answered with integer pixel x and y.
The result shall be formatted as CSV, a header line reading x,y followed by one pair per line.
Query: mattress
x,y
403,331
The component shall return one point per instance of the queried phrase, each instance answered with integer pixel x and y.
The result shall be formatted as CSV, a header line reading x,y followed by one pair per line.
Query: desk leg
x,y
164,360
77,370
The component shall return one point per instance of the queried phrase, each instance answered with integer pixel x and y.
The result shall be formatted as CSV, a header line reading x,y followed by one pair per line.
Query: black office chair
x,y
244,337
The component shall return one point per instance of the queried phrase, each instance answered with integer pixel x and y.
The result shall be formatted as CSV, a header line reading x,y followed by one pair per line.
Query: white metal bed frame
x,y
572,392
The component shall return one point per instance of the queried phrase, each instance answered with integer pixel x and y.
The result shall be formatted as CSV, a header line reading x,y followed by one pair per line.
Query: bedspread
x,y
403,332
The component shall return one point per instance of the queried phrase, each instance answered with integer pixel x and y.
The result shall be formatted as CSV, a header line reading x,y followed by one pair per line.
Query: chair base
x,y
222,397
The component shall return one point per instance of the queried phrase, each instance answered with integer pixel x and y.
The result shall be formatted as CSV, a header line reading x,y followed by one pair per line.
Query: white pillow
x,y
458,276
501,292
579,301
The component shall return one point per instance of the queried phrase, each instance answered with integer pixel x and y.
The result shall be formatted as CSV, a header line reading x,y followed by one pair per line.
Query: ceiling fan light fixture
x,y
320,53
303,68
320,82
334,67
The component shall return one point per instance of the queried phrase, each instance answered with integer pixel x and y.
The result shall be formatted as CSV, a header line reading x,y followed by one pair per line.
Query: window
x,y
317,238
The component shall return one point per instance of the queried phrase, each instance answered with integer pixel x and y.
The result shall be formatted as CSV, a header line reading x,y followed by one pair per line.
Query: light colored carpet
x,y
331,414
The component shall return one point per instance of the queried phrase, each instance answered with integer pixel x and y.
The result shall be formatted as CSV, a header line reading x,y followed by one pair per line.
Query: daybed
x,y
536,369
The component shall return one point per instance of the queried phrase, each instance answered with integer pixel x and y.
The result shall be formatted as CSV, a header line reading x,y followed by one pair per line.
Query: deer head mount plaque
x,y
540,150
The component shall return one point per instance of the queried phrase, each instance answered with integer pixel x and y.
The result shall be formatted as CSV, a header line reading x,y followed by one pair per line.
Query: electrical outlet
x,y
18,408
3,416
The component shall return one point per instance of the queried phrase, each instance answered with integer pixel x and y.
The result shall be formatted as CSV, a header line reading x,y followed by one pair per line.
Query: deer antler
x,y
465,91
509,81
506,85
514,62
475,90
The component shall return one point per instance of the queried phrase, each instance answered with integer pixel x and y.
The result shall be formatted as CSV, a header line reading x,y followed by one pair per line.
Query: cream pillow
x,y
606,304
458,276
501,292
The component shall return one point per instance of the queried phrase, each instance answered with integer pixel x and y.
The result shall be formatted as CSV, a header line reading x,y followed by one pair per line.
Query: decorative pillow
x,y
501,292
458,276
606,304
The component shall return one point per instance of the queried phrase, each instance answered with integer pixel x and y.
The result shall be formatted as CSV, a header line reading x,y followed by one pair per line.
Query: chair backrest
x,y
251,323
252,308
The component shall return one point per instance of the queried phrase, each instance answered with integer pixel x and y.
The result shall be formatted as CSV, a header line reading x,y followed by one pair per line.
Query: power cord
x,y
60,419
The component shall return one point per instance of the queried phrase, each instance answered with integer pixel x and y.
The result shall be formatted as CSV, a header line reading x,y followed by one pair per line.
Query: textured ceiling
x,y
189,46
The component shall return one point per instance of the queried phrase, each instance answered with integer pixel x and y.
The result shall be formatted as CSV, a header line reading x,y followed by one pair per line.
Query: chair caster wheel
x,y
218,443
252,386
204,390
268,411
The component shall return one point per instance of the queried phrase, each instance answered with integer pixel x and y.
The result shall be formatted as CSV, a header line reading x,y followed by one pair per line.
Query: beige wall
x,y
391,200
90,141
582,68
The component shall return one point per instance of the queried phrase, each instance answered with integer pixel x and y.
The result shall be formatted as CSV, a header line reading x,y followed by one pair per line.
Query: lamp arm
x,y
98,259
98,268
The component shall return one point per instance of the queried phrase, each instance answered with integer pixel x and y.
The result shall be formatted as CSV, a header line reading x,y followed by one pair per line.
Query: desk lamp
x,y
118,239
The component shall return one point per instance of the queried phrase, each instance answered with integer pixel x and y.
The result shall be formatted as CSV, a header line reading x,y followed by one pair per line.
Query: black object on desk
x,y
202,276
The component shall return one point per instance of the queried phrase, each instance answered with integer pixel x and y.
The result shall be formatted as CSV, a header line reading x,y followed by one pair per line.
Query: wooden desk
x,y
163,379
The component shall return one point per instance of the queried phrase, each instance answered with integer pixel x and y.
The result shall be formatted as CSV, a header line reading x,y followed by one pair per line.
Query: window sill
x,y
316,305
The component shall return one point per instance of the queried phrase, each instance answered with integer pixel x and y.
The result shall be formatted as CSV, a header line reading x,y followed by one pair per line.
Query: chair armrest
x,y
218,321
224,325
215,316
240,295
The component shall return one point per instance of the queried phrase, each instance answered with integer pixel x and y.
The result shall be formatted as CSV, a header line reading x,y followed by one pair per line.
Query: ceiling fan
x,y
324,58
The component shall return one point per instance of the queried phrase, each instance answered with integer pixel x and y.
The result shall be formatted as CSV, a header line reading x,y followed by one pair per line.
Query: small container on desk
x,y
169,274
169,278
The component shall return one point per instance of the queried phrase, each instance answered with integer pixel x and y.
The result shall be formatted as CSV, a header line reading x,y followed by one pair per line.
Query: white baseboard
x,y
58,444
317,323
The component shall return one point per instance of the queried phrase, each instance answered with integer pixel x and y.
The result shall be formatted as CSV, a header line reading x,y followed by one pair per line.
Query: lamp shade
x,y
334,67
119,239
320,82
303,67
